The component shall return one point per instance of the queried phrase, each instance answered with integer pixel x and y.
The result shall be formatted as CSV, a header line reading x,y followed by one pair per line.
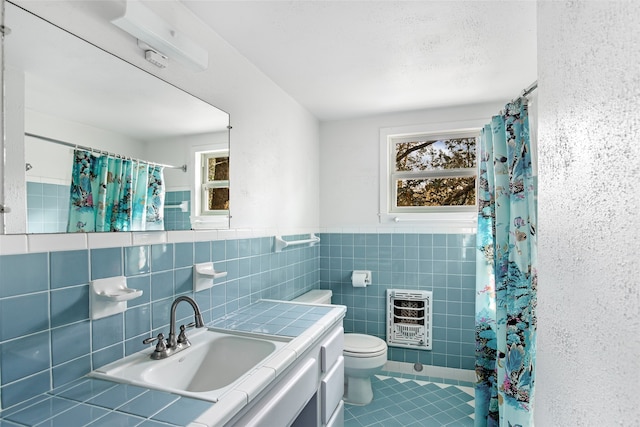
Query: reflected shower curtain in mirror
x,y
115,194
506,273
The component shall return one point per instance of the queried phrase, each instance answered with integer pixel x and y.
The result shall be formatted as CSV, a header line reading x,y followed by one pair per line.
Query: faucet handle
x,y
182,337
160,337
161,345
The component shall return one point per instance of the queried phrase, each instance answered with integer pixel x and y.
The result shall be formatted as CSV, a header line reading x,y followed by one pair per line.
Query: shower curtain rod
x,y
95,150
533,86
526,91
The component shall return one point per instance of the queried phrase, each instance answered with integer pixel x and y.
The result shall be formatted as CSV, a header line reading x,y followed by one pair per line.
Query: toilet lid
x,y
361,345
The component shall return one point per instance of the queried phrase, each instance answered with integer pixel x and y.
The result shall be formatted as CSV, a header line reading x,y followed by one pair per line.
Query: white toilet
x,y
364,355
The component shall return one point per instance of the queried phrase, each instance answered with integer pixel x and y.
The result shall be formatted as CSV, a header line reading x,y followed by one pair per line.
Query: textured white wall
x,y
274,141
589,197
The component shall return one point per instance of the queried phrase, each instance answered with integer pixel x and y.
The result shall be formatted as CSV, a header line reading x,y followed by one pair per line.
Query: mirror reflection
x,y
97,144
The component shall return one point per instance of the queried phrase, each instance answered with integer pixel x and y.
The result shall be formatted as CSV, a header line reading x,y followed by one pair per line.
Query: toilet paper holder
x,y
360,278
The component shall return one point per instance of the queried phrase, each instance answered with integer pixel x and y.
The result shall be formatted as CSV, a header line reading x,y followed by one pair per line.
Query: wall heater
x,y
409,318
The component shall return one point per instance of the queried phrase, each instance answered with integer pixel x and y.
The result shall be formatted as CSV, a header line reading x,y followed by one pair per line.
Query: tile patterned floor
x,y
413,403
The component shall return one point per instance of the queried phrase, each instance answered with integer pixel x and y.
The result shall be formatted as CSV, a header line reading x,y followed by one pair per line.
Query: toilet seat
x,y
361,345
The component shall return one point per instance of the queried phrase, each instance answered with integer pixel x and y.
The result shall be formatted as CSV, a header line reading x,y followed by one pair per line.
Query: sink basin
x,y
215,362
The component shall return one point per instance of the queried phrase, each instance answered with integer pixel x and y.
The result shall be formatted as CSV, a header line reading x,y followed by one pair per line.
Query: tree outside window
x,y
429,173
215,184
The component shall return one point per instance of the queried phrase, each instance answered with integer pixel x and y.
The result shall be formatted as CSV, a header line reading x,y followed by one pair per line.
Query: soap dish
x,y
204,274
120,295
109,296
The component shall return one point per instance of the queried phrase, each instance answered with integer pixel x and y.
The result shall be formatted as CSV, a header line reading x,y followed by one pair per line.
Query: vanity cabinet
x,y
332,380
308,393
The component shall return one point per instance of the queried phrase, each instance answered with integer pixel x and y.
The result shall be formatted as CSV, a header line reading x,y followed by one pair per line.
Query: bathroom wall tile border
x,y
15,244
58,242
107,240
32,243
149,238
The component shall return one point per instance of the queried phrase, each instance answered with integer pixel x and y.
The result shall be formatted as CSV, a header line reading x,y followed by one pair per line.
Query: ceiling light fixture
x,y
152,55
149,28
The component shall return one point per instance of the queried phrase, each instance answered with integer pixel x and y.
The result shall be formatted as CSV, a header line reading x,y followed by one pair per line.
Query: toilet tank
x,y
315,296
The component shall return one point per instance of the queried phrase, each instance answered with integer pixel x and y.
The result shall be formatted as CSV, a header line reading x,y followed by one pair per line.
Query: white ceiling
x,y
68,78
343,59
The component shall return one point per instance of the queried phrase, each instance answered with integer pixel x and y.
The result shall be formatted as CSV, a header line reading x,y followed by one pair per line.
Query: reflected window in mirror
x,y
215,183
212,177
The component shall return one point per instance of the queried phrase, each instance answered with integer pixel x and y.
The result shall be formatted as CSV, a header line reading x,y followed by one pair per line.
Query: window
x,y
431,172
215,184
211,197
428,175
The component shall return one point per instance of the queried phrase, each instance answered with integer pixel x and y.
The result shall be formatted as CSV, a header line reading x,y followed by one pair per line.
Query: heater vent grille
x,y
409,315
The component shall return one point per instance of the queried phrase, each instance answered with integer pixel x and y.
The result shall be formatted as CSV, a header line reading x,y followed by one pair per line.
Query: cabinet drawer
x,y
337,419
287,399
331,390
331,349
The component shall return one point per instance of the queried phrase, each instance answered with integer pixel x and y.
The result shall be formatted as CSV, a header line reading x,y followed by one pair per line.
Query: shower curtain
x,y
506,273
114,194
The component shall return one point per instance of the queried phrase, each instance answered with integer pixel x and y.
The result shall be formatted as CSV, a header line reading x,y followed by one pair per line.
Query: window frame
x,y
205,184
444,218
203,218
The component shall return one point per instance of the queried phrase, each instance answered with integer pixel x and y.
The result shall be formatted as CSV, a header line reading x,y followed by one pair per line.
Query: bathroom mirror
x,y
60,88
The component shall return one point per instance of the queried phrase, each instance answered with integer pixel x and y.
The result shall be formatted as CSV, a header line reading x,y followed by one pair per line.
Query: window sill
x,y
449,222
210,222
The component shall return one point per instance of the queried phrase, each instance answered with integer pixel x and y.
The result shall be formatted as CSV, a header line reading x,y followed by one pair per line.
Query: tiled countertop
x,y
95,402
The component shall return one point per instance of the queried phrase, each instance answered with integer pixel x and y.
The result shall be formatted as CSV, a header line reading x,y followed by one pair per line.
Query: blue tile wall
x,y
23,315
23,274
58,343
441,263
68,268
174,218
106,263
34,349
48,340
47,207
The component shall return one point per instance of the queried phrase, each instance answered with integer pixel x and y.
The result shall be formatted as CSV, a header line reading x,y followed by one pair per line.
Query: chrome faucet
x,y
173,345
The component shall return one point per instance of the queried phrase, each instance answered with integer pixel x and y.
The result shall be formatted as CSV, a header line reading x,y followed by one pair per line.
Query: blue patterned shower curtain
x,y
115,194
506,273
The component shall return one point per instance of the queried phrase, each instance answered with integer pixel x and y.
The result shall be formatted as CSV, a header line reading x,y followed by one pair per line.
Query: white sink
x,y
215,362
